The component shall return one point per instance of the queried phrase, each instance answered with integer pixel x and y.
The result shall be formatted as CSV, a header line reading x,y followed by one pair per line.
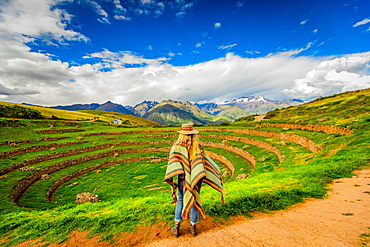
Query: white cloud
x,y
182,7
252,52
119,59
303,22
292,52
337,75
217,25
122,18
199,44
100,11
221,79
36,19
38,80
226,47
363,22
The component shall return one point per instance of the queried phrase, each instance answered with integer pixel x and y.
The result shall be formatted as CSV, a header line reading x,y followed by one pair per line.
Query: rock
x,y
156,160
323,119
79,137
87,197
264,158
74,184
27,169
45,177
241,176
13,144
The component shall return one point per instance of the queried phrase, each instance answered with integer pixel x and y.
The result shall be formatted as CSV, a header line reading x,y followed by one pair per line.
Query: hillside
x,y
344,109
105,116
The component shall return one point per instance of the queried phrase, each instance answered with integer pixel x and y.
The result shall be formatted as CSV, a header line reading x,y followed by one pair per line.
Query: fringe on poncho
x,y
200,169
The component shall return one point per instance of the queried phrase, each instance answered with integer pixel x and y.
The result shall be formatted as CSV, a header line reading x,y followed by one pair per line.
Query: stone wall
x,y
311,127
300,140
22,186
44,139
54,131
73,152
223,160
244,154
257,143
20,151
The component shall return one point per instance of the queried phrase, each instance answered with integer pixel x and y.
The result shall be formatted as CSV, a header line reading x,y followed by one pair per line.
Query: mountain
x,y
232,112
261,105
143,107
176,112
107,106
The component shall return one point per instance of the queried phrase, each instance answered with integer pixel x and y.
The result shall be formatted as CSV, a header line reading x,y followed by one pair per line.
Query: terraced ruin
x,y
65,157
266,165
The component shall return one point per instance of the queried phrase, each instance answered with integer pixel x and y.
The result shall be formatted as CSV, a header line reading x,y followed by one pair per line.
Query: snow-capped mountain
x,y
257,98
259,104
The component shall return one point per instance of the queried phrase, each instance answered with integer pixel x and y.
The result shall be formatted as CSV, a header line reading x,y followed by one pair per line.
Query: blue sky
x,y
127,51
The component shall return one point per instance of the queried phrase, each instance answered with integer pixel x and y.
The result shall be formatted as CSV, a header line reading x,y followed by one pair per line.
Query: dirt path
x,y
336,221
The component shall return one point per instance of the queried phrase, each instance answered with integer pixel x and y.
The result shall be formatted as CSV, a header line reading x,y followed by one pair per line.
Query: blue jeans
x,y
180,202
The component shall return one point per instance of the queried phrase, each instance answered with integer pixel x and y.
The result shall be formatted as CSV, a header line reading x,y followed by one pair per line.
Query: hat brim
x,y
187,132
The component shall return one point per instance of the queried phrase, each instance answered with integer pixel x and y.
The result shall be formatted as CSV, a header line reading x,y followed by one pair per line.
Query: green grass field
x,y
125,166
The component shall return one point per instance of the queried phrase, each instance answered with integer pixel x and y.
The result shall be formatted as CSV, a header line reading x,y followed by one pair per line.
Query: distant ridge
x,y
107,106
176,112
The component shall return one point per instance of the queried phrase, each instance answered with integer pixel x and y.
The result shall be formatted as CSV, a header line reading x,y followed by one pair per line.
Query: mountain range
x,y
177,112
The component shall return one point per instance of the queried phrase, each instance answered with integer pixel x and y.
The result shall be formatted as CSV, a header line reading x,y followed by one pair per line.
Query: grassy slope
x,y
341,109
272,186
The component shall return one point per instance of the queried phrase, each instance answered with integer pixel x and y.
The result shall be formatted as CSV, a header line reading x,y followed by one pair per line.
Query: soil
x,y
336,221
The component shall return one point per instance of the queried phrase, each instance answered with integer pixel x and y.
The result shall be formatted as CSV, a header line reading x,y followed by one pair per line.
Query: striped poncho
x,y
201,168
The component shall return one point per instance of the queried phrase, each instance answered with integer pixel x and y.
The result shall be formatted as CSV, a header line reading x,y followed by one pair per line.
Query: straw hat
x,y
187,129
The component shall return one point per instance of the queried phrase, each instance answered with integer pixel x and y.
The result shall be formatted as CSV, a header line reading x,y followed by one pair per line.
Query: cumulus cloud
x,y
36,19
39,80
336,75
15,91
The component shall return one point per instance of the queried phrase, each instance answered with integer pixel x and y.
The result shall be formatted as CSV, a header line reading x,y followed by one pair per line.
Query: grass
x,y
126,189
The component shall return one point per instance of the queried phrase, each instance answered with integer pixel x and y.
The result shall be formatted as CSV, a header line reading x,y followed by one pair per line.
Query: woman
x,y
193,166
